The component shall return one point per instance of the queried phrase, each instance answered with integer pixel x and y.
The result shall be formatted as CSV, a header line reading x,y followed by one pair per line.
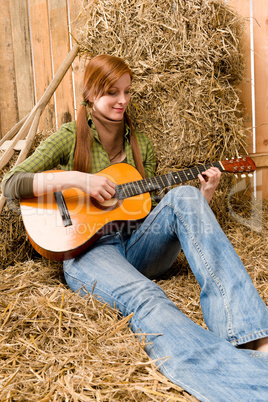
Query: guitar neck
x,y
160,182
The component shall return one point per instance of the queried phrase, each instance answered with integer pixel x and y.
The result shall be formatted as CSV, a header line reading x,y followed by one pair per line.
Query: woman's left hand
x,y
209,182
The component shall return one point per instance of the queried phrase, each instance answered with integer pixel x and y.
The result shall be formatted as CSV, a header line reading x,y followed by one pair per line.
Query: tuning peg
x,y
250,175
243,175
236,175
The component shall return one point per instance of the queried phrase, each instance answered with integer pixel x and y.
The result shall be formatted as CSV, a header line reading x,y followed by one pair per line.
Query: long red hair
x,y
100,75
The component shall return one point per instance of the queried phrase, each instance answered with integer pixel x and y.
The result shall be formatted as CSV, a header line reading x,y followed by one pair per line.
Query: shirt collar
x,y
96,135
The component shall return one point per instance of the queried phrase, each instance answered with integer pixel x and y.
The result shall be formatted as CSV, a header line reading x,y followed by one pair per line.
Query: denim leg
x,y
231,305
200,361
205,365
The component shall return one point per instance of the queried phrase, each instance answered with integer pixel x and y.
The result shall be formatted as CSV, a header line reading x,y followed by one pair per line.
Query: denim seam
x,y
216,280
259,355
122,242
246,337
210,271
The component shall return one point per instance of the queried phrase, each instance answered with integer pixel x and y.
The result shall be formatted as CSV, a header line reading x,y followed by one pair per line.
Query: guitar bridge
x,y
66,219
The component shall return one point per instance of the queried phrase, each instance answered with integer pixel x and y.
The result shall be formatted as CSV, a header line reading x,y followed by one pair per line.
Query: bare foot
x,y
260,345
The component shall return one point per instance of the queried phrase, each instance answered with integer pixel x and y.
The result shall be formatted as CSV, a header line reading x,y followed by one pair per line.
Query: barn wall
x,y
36,36
254,91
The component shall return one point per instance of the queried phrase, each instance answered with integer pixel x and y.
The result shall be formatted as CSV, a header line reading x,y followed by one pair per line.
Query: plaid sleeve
x,y
55,150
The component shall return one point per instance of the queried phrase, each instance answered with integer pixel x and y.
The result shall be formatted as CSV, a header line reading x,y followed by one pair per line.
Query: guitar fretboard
x,y
127,190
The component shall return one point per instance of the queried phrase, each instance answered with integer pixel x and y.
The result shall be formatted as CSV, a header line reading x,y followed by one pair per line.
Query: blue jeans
x,y
206,363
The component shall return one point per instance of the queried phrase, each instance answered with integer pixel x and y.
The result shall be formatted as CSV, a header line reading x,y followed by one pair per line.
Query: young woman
x,y
214,365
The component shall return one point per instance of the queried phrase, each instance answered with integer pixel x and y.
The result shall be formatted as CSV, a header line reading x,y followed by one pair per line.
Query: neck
x,y
111,132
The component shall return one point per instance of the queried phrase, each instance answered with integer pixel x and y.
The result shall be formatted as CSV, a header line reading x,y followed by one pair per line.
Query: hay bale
x,y
187,61
14,244
56,345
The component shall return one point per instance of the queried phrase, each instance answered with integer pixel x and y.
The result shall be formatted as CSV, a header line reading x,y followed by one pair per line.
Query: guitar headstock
x,y
239,165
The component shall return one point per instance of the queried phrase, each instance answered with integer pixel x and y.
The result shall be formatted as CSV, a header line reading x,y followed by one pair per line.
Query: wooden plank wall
x,y
35,38
34,41
254,91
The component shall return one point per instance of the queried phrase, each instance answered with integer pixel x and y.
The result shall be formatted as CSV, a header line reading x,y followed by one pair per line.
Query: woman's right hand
x,y
98,187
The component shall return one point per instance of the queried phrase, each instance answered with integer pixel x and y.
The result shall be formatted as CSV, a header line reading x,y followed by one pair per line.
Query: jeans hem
x,y
255,354
251,337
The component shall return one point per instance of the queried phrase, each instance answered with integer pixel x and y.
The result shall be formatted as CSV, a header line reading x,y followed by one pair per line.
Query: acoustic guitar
x,y
63,224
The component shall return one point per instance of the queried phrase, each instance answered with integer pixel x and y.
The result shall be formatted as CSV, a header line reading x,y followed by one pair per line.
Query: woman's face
x,y
113,104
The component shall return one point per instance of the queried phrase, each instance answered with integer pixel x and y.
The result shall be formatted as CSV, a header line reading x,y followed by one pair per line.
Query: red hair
x,y
100,75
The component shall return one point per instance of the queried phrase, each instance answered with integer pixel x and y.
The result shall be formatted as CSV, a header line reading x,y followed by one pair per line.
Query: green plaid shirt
x,y
58,149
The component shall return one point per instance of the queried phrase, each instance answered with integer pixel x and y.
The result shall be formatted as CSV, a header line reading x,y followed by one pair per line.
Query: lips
x,y
120,110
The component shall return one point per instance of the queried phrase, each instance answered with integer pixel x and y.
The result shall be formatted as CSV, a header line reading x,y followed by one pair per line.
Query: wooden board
x,y
255,80
64,97
260,8
42,61
38,30
75,22
18,147
22,56
260,159
8,93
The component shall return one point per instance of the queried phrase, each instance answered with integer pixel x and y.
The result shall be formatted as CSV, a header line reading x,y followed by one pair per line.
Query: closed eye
x,y
114,92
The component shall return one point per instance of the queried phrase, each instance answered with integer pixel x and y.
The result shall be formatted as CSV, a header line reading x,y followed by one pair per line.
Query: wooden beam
x,y
9,152
260,159
13,131
58,76
17,147
27,144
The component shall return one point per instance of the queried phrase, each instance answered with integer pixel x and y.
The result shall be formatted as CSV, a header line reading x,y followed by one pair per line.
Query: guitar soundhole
x,y
107,205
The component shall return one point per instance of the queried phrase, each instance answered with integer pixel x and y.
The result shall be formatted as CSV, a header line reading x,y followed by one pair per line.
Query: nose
x,y
122,98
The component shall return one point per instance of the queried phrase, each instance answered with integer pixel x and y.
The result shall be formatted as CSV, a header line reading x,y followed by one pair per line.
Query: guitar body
x,y
89,219
63,224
